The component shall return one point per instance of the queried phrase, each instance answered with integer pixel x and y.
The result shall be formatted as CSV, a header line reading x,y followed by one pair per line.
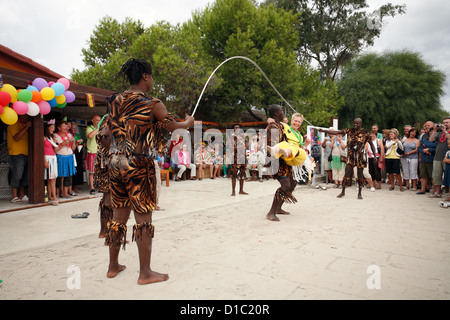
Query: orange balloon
x,y
36,96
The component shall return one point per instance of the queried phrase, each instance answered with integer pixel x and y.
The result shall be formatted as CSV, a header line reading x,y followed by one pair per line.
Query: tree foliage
x,y
331,32
108,37
391,89
184,56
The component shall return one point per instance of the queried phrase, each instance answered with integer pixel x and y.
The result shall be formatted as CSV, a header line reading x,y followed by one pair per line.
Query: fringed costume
x,y
284,170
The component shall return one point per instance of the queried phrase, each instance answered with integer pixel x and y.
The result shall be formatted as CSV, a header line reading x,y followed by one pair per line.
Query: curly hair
x,y
133,69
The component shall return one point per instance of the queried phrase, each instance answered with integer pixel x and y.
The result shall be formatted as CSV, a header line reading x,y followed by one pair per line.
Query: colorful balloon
x,y
24,95
11,90
62,105
39,83
44,107
33,109
60,99
70,96
5,98
9,116
47,93
32,88
65,82
52,102
20,107
58,88
36,96
1,110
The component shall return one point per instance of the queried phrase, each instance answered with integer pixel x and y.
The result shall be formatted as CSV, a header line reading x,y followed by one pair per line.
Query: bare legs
x,y
349,174
286,188
241,186
144,244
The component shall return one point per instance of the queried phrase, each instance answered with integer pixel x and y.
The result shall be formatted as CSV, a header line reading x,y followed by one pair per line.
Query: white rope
x,y
260,70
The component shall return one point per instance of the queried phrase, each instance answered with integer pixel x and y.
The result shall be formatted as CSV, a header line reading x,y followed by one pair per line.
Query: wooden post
x,y
36,160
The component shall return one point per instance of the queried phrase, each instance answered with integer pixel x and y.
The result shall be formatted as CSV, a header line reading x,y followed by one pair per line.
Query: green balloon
x,y
25,95
62,105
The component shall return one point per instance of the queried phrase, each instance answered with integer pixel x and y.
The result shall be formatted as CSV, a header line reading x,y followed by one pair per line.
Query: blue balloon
x,y
52,102
58,88
32,88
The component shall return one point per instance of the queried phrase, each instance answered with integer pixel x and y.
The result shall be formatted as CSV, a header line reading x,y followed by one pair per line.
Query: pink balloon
x,y
50,83
20,107
70,96
44,107
65,82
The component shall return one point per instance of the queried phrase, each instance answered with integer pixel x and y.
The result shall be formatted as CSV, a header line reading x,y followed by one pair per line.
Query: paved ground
x,y
390,245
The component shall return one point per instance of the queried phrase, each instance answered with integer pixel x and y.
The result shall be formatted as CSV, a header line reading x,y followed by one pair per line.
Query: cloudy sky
x,y
53,32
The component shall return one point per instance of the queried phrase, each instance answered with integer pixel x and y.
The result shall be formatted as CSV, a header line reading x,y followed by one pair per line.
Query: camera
x,y
439,127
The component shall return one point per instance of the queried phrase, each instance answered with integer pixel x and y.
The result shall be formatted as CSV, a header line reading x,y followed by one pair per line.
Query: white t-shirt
x,y
65,150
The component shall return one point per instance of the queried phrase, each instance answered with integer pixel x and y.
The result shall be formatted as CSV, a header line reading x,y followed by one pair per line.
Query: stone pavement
x,y
390,245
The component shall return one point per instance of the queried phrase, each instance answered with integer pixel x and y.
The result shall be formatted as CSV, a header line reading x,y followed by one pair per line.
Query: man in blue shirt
x,y
427,150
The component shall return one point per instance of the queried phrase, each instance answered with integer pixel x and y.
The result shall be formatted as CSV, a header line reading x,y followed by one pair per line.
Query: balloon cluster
x,y
37,98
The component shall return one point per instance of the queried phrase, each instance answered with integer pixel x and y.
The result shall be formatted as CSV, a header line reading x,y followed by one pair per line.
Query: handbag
x,y
344,159
400,151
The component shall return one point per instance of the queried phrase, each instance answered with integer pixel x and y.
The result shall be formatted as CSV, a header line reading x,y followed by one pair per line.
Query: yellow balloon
x,y
9,116
47,93
60,99
11,90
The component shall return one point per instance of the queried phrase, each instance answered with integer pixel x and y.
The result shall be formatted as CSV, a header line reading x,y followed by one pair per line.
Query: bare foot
x,y
152,277
102,235
113,271
233,194
242,192
341,195
360,196
272,217
281,211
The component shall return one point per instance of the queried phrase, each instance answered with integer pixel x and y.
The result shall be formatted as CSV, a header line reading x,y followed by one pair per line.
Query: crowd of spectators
x,y
419,160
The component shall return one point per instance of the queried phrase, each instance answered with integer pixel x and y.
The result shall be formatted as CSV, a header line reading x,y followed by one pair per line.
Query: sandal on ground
x,y
435,195
16,200
402,189
81,216
55,203
73,194
391,188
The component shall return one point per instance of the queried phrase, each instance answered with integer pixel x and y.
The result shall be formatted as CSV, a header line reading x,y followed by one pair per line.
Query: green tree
x,y
108,37
184,56
239,28
331,32
266,35
180,66
391,89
